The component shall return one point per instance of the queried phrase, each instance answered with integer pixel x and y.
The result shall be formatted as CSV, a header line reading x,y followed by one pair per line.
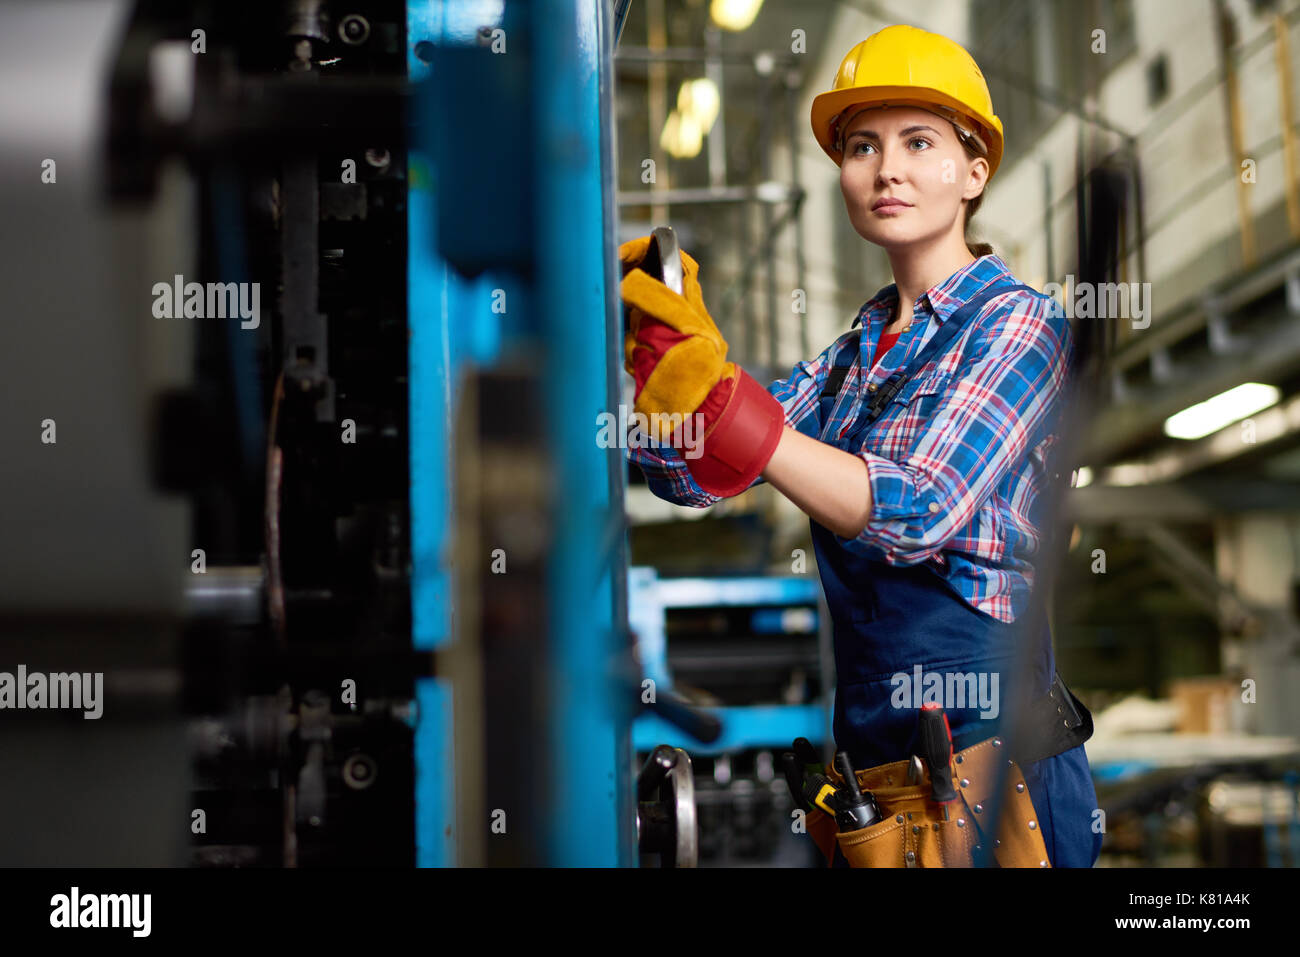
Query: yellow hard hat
x,y
907,66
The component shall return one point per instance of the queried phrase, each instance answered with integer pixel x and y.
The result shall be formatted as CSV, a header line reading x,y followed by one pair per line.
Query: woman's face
x,y
904,175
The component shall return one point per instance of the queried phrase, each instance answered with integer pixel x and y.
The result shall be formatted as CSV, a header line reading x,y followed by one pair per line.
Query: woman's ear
x,y
976,177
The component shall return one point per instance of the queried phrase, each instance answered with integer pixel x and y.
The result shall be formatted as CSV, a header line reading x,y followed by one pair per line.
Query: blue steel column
x,y
429,382
590,784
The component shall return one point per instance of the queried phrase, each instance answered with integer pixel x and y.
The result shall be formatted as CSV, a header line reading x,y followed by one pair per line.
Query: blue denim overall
x,y
888,619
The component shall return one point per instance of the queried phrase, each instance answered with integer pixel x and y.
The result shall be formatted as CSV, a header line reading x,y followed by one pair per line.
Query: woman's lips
x,y
890,206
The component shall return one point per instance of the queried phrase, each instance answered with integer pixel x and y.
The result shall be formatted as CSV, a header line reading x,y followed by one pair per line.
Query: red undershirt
x,y
883,346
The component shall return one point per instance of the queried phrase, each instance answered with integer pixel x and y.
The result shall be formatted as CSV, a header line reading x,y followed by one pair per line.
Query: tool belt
x,y
915,831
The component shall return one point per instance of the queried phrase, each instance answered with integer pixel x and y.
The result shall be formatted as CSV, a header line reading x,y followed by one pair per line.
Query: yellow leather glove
x,y
672,347
678,358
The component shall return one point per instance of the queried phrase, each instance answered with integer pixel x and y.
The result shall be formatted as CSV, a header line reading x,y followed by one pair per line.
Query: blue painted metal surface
x,y
590,783
758,726
551,74
753,726
441,342
435,797
710,592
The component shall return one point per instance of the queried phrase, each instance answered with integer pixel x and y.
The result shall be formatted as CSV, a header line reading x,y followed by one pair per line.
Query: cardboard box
x,y
1206,705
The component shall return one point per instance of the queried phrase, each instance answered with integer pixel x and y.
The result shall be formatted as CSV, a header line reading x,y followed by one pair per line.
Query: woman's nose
x,y
889,170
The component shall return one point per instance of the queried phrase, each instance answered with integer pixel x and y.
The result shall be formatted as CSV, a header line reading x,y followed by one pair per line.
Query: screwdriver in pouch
x,y
857,808
936,745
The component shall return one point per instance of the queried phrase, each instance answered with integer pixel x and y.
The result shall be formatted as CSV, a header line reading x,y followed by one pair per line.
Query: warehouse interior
x,y
362,583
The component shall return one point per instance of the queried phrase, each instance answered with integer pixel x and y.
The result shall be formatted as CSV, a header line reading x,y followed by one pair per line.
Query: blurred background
x,y
362,585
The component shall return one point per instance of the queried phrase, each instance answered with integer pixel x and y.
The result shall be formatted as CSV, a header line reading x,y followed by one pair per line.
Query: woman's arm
x,y
829,485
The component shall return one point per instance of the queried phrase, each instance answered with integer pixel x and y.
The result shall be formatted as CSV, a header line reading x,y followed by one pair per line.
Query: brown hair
x,y
973,148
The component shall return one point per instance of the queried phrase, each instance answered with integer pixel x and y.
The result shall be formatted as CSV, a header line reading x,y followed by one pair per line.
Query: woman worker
x,y
922,507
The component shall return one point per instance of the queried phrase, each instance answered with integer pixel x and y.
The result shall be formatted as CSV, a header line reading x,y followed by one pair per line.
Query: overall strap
x,y
880,399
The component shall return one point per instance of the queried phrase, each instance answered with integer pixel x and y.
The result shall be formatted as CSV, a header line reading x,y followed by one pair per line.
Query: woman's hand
x,y
672,347
678,358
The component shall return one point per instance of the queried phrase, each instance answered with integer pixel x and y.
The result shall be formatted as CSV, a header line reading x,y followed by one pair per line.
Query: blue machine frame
x,y
555,75
751,726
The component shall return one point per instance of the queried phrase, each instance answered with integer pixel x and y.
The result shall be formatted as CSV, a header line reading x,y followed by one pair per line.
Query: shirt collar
x,y
945,297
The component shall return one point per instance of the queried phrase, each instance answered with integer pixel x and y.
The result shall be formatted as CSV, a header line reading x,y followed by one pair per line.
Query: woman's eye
x,y
861,144
918,139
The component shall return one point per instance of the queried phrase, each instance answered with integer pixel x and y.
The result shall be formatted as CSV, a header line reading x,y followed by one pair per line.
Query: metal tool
x,y
915,770
665,821
663,260
936,746
858,808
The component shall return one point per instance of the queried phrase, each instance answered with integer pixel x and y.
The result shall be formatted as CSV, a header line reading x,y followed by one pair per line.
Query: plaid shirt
x,y
958,458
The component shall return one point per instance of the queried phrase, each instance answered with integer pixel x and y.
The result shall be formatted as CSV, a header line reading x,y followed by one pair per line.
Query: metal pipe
x,y
718,135
656,106
800,265
1282,56
1227,35
662,53
769,258
233,593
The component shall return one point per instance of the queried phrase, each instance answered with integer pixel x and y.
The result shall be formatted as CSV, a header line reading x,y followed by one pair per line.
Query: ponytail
x,y
976,249
973,148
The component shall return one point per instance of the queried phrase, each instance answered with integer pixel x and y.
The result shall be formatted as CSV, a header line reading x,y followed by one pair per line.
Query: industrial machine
x,y
405,638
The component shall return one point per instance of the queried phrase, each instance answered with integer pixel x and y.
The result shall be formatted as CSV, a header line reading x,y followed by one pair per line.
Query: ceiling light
x,y
734,14
699,98
681,137
1221,410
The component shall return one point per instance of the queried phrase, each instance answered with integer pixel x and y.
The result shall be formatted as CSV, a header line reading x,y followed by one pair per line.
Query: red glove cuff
x,y
741,442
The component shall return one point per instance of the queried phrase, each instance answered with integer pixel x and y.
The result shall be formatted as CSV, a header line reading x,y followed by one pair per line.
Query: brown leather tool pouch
x,y
915,831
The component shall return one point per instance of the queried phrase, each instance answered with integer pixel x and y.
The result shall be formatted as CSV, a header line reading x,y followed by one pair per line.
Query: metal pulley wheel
x,y
665,819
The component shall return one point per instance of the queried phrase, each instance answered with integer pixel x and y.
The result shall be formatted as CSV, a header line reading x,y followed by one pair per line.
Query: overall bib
x,y
889,619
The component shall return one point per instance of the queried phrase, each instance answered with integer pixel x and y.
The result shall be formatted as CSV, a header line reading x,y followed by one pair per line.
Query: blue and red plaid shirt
x,y
958,459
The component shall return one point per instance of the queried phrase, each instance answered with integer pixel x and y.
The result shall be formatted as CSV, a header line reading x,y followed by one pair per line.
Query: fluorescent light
x,y
699,98
1083,476
1221,410
734,14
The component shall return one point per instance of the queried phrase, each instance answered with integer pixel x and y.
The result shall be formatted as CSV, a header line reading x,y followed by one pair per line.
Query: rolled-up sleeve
x,y
665,469
1000,402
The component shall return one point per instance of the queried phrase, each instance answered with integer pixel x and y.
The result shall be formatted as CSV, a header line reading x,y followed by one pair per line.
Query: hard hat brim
x,y
826,106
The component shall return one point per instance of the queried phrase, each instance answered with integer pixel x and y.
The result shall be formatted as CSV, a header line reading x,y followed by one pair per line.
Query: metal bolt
x,y
354,29
1020,787
1042,863
997,742
911,855
959,759
961,822
979,808
965,782
899,819
997,842
916,829
1033,825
